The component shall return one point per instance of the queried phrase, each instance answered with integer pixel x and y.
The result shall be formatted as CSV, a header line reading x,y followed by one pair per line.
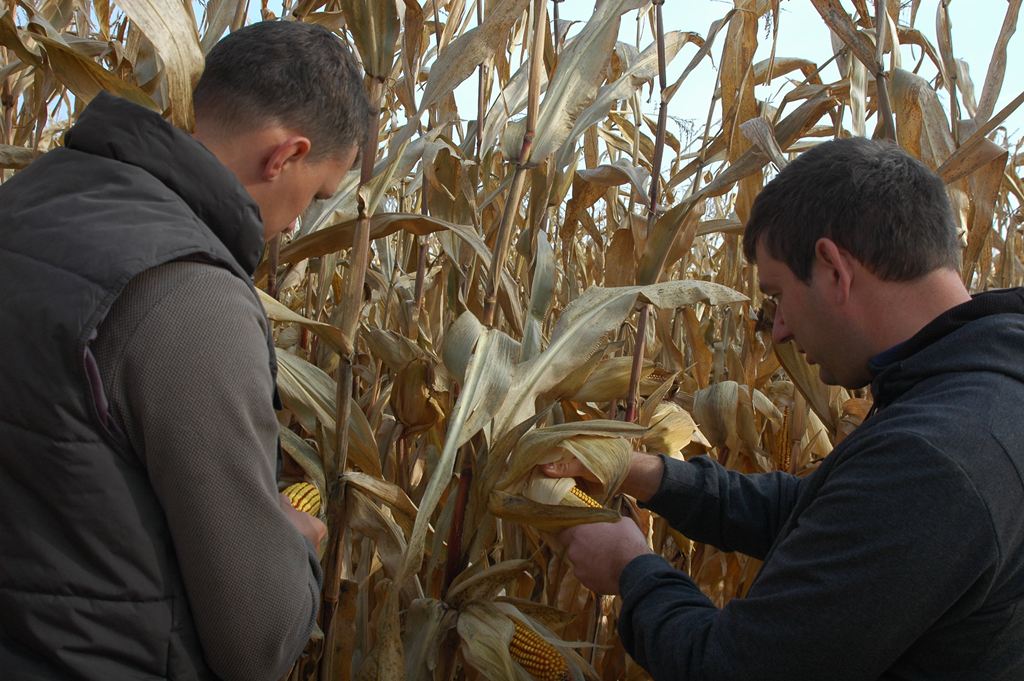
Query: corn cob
x,y
537,656
584,497
304,497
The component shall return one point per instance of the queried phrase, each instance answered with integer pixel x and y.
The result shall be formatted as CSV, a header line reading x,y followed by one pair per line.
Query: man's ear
x,y
838,267
289,150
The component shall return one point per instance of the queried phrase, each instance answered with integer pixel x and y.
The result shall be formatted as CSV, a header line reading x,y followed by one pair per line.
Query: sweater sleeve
x,y
870,566
192,388
729,510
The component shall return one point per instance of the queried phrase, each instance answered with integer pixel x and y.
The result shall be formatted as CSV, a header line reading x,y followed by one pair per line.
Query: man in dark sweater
x,y
902,555
143,533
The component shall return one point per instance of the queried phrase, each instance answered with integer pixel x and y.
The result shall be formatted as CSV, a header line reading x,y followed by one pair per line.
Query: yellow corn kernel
x,y
304,497
537,656
584,497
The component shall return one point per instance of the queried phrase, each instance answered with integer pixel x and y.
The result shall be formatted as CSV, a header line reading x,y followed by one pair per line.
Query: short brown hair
x,y
299,75
872,198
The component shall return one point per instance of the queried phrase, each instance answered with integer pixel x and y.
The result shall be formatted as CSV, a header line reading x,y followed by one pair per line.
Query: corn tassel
x,y
537,656
304,496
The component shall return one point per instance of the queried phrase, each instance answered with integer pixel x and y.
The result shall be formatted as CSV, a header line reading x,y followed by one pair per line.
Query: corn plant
x,y
552,274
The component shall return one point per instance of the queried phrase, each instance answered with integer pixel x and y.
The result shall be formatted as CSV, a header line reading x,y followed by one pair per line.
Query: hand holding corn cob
x,y
299,506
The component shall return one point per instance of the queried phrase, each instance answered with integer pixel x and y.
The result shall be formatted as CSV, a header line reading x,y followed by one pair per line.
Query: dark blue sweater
x,y
900,557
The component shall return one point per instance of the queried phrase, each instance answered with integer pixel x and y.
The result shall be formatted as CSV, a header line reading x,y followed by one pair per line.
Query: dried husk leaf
x,y
486,634
671,428
427,623
610,380
601,446
805,378
414,401
546,517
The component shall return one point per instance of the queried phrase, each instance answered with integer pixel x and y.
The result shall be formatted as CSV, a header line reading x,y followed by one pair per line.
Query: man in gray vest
x,y
143,534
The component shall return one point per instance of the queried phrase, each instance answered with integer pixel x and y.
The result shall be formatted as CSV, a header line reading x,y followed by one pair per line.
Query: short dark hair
x,y
872,198
298,75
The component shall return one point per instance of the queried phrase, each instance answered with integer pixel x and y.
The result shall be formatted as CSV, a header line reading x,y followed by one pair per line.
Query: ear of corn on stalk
x,y
584,497
304,497
538,657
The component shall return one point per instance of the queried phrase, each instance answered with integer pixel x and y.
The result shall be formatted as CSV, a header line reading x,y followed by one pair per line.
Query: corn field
x,y
551,273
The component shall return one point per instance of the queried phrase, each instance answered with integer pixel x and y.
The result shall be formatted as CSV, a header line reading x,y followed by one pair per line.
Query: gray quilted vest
x,y
89,583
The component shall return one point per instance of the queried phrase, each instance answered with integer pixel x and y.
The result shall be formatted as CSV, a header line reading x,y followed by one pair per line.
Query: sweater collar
x,y
118,129
902,365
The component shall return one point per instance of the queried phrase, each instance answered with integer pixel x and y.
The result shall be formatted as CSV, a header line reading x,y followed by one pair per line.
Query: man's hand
x,y
309,527
642,481
570,468
599,552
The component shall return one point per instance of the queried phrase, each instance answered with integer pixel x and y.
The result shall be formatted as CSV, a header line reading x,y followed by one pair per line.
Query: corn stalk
x,y
652,213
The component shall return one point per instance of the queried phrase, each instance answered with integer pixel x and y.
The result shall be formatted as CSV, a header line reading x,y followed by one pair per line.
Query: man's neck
x,y
898,310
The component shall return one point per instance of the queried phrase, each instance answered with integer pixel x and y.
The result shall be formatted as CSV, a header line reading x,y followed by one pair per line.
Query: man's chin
x,y
848,382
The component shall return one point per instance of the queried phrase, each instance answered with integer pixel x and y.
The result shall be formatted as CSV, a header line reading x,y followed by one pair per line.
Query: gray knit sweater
x,y
183,360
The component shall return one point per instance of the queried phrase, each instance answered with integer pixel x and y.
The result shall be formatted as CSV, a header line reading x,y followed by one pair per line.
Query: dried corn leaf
x,y
311,394
281,313
487,583
172,31
386,492
997,65
374,26
583,330
644,68
10,37
16,157
807,382
484,385
576,79
367,518
842,26
476,46
308,459
541,295
923,130
85,78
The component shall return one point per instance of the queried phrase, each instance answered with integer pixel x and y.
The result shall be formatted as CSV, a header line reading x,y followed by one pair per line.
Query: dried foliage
x,y
488,295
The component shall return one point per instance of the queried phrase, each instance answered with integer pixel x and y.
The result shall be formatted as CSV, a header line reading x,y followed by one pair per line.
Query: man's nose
x,y
780,332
